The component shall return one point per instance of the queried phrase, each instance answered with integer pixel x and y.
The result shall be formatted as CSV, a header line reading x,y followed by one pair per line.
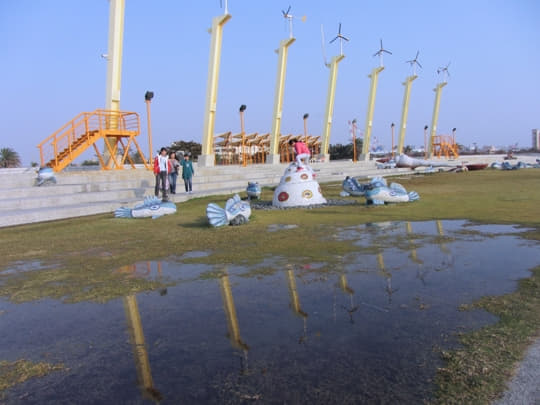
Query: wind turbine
x,y
414,62
341,39
406,100
371,101
282,51
380,53
445,72
436,106
289,17
329,111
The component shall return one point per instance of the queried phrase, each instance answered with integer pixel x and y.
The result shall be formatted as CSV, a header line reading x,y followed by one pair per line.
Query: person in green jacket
x,y
187,173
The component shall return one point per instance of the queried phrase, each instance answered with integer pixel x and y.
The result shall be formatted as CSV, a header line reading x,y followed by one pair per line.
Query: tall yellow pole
x,y
435,118
371,108
114,66
329,111
405,112
142,363
207,155
283,52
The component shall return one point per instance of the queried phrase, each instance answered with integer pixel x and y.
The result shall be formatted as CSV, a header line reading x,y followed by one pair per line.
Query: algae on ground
x,y
17,372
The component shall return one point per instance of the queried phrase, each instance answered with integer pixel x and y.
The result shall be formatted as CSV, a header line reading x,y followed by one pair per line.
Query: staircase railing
x,y
85,126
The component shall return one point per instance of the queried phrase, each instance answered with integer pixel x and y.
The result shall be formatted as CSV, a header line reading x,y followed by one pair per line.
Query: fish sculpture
x,y
351,185
407,161
379,194
253,190
45,175
236,212
151,207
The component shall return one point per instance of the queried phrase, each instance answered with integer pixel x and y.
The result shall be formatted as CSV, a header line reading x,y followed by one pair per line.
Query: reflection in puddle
x,y
364,329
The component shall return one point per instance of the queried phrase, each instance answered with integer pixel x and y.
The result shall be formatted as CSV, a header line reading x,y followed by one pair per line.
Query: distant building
x,y
536,139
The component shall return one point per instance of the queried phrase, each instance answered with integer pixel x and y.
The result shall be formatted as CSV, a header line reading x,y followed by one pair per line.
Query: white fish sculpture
x,y
379,194
407,161
151,207
236,212
253,190
351,185
45,175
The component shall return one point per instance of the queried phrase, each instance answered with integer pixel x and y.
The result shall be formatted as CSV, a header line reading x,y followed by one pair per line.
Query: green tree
x,y
9,158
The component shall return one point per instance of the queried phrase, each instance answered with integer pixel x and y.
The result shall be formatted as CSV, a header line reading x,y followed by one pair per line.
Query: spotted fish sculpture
x,y
45,176
353,187
253,190
236,212
151,207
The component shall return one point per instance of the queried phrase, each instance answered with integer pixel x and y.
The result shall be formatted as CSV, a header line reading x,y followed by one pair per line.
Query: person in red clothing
x,y
302,152
162,168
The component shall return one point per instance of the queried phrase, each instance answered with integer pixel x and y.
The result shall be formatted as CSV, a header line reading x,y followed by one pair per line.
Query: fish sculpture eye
x,y
154,207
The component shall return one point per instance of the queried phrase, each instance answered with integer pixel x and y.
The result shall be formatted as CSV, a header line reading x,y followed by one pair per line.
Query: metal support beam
x,y
329,111
283,53
435,117
405,112
214,63
371,108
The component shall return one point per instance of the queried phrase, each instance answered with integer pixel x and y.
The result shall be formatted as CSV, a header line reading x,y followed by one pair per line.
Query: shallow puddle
x,y
365,328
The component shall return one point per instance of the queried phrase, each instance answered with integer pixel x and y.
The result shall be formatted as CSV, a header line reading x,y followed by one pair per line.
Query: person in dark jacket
x,y
187,173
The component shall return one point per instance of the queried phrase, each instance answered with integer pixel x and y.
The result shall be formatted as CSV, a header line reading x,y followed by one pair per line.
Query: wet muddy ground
x,y
367,327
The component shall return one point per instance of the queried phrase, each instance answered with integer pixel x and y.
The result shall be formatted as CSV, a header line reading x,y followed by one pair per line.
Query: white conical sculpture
x,y
298,188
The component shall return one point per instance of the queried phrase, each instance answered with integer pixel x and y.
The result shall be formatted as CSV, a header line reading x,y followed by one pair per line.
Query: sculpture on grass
x,y
236,212
298,188
151,207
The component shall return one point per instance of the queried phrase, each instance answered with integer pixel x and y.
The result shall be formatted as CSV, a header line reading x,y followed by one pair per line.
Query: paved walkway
x,y
524,388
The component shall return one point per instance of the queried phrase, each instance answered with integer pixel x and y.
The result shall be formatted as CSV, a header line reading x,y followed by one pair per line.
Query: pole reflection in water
x,y
232,320
421,272
388,276
295,301
140,353
343,284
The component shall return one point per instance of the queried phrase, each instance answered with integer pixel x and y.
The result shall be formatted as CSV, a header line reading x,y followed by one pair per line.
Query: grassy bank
x,y
79,257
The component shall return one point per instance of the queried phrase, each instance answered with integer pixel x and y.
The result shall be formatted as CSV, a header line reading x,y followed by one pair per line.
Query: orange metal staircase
x,y
445,145
117,128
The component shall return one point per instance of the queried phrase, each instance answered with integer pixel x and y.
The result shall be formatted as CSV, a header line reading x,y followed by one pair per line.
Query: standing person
x,y
161,170
187,172
174,167
302,152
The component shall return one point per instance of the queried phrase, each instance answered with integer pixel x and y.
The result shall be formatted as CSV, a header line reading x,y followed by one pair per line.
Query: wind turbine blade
x,y
418,63
289,9
448,65
345,38
334,39
417,53
381,44
339,29
376,53
384,50
322,45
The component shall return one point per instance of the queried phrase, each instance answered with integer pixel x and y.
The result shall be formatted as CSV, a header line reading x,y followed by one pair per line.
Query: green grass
x,y
81,255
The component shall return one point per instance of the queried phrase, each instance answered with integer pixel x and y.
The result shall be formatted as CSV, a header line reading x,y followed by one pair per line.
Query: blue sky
x,y
51,67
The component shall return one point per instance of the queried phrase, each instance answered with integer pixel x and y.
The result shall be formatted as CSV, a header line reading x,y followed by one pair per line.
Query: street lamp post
x,y
148,96
354,140
392,126
242,109
425,141
306,115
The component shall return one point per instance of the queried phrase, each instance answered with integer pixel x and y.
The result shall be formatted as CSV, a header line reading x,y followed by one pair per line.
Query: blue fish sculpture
x,y
45,175
151,207
253,190
236,212
351,185
379,194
